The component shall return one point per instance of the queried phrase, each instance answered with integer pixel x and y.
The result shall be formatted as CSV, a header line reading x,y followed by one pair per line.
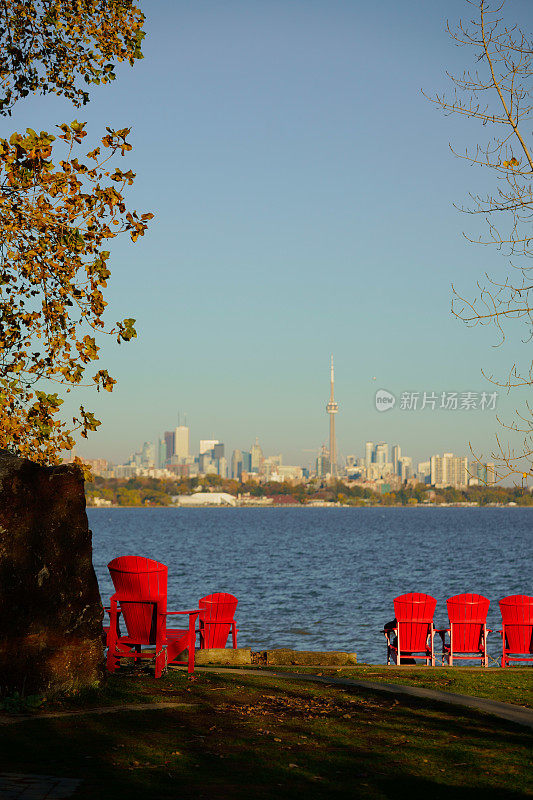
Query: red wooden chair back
x,y
467,614
517,617
217,612
414,614
137,578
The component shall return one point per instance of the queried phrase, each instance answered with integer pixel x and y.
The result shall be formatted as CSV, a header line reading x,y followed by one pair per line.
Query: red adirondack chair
x,y
410,636
467,614
141,600
517,628
216,619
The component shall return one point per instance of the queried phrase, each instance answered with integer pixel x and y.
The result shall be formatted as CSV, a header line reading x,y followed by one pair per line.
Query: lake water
x,y
324,579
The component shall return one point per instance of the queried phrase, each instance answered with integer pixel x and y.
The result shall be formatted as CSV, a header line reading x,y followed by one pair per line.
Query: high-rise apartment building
x,y
369,448
424,471
449,470
181,442
484,473
404,467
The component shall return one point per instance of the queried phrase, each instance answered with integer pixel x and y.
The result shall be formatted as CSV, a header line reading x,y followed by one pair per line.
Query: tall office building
x,y
256,457
236,465
381,453
162,454
218,450
369,449
323,464
332,408
222,467
207,444
246,461
181,442
396,455
148,455
169,442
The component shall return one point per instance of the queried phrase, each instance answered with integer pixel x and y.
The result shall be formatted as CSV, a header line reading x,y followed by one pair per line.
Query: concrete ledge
x,y
221,656
308,658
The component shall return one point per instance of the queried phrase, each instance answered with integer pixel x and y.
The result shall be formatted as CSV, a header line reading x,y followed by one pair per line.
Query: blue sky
x,y
303,194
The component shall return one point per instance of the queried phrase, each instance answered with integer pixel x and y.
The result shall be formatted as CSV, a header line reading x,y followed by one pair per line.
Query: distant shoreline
x,y
305,506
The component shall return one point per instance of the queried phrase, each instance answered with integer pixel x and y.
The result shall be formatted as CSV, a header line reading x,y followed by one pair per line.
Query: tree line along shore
x,y
150,492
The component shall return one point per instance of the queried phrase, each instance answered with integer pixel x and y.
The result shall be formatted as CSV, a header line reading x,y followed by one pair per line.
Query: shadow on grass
x,y
273,740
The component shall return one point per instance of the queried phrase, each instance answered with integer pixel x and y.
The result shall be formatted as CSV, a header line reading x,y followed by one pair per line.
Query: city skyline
x,y
276,186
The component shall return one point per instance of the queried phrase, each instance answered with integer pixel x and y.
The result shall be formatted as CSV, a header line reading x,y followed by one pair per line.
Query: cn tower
x,y
332,409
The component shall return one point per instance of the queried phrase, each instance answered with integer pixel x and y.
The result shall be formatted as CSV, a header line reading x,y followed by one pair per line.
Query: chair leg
x,y
234,635
111,661
160,663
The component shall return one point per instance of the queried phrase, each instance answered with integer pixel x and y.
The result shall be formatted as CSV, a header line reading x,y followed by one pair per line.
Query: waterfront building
x,y
181,442
449,470
205,499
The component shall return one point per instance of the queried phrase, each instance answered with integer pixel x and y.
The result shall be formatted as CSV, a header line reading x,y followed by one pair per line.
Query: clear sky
x,y
303,194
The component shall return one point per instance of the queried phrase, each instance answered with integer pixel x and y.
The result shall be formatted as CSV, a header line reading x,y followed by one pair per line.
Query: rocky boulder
x,y
50,607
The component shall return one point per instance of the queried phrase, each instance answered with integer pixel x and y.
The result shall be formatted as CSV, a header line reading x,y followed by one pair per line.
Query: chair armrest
x,y
171,613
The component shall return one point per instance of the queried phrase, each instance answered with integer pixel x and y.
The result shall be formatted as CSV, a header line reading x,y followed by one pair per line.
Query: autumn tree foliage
x,y
55,45
59,208
498,94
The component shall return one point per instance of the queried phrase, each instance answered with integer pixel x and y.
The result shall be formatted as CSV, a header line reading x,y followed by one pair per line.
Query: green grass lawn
x,y
242,736
506,685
